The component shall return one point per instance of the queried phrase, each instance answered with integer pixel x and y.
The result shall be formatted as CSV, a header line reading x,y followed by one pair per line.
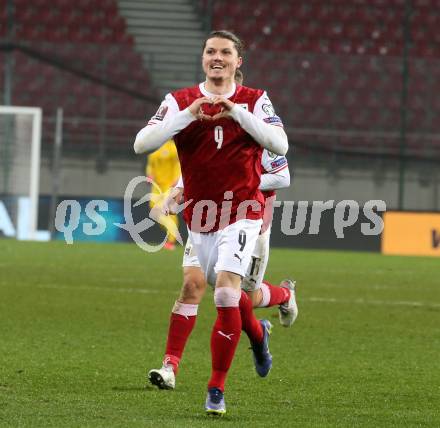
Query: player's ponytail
x,y
238,77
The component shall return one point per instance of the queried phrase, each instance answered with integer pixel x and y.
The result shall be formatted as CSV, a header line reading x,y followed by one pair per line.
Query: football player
x,y
259,293
164,169
220,130
275,175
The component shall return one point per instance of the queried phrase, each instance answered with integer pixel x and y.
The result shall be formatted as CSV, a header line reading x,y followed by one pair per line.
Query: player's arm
x,y
166,123
179,184
276,174
173,199
275,180
269,135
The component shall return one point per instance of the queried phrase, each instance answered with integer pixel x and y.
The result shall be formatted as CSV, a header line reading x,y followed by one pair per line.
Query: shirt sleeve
x,y
272,162
168,108
272,138
179,183
167,122
275,180
265,111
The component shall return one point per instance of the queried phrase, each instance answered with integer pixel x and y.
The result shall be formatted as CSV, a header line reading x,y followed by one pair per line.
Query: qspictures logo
x,y
69,214
346,214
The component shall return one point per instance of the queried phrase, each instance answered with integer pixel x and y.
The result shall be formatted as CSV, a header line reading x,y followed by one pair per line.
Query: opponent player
x,y
275,176
164,169
220,156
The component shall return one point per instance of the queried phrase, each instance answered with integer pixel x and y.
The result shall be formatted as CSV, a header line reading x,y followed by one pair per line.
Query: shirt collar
x,y
208,94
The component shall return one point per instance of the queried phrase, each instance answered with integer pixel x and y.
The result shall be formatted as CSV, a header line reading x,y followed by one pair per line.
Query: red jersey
x,y
218,156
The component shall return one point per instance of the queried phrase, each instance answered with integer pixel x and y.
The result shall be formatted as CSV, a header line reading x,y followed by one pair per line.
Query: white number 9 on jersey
x,y
218,136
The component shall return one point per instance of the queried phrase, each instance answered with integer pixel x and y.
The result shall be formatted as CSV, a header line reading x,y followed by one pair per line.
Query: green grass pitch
x,y
80,325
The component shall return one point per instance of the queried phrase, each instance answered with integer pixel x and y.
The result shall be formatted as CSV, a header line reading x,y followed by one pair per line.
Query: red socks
x,y
224,340
182,322
276,295
234,313
225,334
250,324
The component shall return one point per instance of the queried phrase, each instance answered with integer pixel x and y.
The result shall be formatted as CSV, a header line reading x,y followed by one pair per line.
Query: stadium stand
x,y
68,51
337,66
333,69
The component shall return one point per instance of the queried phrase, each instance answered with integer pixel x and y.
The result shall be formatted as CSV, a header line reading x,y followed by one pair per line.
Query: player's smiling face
x,y
220,59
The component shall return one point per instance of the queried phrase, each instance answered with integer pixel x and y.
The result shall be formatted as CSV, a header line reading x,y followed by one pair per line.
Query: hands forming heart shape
x,y
215,108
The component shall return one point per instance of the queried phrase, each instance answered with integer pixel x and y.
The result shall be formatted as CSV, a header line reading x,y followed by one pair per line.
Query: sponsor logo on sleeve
x,y
279,162
160,114
274,120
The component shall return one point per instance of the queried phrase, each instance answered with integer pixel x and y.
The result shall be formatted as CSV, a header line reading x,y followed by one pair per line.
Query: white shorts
x,y
229,249
257,265
190,258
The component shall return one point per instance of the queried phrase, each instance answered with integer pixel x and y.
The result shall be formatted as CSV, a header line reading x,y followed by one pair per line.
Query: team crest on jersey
x,y
268,109
160,114
244,105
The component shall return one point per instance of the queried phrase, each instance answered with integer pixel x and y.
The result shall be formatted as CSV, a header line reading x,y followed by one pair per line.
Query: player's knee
x,y
225,297
193,288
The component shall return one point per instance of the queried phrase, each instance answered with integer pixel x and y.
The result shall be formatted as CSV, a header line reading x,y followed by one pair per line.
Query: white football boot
x,y
215,402
288,311
163,378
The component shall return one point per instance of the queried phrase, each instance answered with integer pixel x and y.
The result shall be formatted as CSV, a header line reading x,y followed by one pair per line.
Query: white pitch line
x,y
125,281
89,288
372,302
360,301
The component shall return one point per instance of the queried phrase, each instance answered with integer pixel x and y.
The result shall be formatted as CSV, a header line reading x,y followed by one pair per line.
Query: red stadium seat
x,y
340,61
73,34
